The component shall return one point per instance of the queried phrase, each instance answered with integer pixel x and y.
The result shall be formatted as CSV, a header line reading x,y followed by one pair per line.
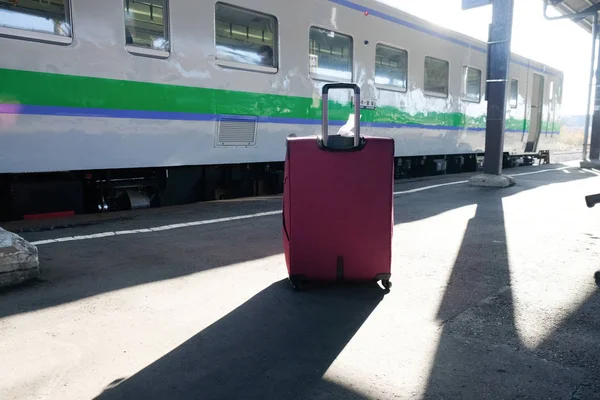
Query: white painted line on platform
x,y
155,229
466,181
429,187
240,217
540,171
594,171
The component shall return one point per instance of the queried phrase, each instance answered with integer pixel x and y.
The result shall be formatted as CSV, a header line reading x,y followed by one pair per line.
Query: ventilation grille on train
x,y
236,131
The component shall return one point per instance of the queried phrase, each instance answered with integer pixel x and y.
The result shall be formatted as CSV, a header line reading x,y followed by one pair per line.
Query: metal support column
x,y
595,137
589,98
497,84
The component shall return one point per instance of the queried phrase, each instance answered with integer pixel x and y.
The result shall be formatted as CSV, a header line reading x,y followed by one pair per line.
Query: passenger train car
x,y
127,103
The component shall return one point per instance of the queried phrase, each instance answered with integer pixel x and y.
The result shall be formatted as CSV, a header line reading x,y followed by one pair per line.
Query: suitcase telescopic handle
x,y
325,124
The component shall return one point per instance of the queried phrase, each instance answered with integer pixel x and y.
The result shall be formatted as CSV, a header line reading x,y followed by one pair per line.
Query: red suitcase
x,y
338,204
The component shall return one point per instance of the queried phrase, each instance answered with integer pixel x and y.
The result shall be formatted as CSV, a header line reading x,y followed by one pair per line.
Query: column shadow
x,y
277,345
480,353
461,368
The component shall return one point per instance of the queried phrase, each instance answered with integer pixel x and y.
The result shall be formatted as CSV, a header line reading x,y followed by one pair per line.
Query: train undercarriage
x,y
34,196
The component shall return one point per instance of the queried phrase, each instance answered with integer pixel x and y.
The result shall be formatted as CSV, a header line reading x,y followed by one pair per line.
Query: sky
x,y
560,44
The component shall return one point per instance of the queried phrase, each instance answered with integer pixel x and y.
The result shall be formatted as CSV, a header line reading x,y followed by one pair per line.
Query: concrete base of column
x,y
488,180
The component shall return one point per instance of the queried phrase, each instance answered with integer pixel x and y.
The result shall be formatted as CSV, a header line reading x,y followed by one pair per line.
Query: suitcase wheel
x,y
385,280
597,278
297,282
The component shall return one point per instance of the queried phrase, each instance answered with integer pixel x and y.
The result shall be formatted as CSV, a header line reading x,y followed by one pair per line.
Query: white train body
x,y
85,100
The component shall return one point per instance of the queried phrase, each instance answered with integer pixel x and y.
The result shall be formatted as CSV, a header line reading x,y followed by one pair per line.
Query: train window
x,y
514,93
551,91
471,84
146,27
36,20
330,55
391,67
245,38
436,76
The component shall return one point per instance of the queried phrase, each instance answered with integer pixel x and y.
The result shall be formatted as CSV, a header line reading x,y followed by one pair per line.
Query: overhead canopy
x,y
570,7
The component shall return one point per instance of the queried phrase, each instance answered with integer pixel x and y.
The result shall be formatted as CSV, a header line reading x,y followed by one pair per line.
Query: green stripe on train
x,y
48,89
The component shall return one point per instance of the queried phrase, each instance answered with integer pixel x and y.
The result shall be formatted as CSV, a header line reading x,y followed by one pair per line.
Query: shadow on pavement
x,y
277,345
420,205
481,268
75,270
480,353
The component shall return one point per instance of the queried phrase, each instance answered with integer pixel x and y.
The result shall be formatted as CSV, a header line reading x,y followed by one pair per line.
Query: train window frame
x,y
42,37
246,66
143,51
510,99
326,78
463,82
392,88
436,94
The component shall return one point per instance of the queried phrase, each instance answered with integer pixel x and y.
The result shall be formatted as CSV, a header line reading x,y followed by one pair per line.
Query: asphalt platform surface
x,y
493,297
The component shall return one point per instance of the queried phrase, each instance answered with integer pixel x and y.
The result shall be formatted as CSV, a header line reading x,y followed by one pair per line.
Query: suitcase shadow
x,y
277,345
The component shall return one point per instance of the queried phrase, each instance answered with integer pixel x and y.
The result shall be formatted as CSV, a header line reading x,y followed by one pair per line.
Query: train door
x,y
537,103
